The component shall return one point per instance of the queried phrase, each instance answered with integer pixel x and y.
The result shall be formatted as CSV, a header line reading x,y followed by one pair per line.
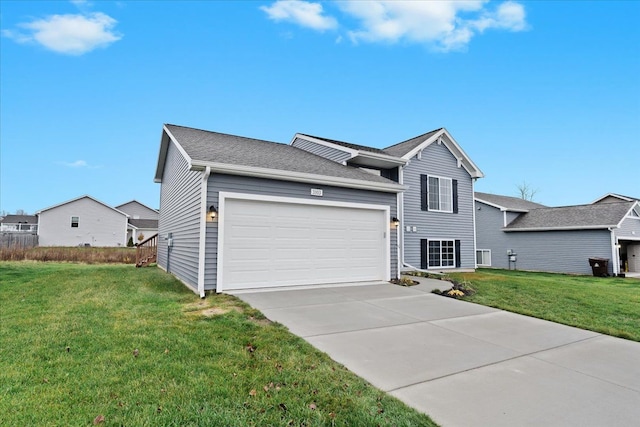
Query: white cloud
x,y
68,34
442,25
303,13
79,164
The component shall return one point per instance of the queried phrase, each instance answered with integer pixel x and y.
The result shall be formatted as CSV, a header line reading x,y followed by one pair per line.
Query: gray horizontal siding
x,y
553,251
180,215
630,229
334,154
250,185
136,210
438,160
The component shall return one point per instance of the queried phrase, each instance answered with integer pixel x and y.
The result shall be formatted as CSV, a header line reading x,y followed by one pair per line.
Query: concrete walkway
x,y
465,364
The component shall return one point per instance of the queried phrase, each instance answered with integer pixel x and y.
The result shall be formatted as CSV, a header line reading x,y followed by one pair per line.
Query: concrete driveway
x,y
465,364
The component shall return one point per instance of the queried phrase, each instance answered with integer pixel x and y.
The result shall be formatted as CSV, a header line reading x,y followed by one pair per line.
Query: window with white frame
x,y
440,194
483,257
75,220
442,253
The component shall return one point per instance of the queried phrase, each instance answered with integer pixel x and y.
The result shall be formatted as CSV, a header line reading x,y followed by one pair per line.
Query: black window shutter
x,y
454,187
424,189
458,260
424,254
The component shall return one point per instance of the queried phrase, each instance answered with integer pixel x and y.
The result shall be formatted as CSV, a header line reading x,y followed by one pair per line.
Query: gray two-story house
x,y
239,213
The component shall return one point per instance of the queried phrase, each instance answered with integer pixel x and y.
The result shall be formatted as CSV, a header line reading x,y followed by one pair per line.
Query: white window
x,y
440,194
483,257
75,220
442,253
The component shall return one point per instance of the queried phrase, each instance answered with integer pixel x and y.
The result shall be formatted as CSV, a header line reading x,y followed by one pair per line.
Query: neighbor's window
x,y
75,220
440,194
442,253
483,257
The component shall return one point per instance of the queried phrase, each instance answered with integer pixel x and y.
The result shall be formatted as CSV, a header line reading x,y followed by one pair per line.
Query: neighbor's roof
x,y
596,216
79,198
144,223
134,201
404,147
507,203
617,196
247,156
16,219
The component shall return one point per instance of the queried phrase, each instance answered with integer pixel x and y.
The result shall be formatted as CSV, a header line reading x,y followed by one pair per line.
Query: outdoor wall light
x,y
395,221
213,213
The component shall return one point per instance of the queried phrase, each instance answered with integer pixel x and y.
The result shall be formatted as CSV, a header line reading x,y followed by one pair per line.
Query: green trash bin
x,y
599,266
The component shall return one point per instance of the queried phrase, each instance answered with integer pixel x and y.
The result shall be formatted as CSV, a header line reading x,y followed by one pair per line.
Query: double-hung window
x,y
75,220
440,253
439,194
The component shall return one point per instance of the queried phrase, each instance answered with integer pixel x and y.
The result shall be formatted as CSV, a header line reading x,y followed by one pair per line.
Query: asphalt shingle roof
x,y
144,223
209,146
15,219
402,148
582,216
349,145
508,202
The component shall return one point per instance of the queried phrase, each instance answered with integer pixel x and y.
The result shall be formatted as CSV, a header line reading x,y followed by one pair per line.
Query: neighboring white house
x,y
143,220
80,222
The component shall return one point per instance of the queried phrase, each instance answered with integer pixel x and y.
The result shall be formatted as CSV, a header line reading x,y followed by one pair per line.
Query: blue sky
x,y
546,93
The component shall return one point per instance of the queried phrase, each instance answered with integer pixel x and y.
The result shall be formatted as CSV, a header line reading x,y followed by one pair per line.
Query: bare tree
x,y
21,212
526,191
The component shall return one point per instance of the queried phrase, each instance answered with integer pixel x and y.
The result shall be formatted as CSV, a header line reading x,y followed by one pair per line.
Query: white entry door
x,y
272,243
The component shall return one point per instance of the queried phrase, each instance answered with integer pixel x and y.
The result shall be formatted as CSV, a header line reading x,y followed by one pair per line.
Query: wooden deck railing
x,y
147,251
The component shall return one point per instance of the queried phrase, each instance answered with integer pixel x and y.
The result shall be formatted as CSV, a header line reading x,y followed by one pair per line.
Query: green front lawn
x,y
602,304
115,345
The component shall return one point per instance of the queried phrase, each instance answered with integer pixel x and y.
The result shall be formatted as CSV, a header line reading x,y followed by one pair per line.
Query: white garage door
x,y
267,244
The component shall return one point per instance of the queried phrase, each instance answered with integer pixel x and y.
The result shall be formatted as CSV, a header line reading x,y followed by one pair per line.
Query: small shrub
x,y
130,242
404,281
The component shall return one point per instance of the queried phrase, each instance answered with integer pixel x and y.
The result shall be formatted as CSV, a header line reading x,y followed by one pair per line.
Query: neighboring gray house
x,y
245,213
143,220
436,213
557,239
19,224
80,222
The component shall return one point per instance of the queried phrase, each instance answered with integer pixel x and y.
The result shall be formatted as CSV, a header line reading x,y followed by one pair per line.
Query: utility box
x,y
599,266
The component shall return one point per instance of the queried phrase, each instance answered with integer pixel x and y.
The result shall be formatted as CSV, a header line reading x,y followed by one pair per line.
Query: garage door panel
x,y
278,244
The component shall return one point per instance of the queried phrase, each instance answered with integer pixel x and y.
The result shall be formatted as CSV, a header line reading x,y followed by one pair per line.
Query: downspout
x,y
400,229
475,245
203,229
403,263
615,255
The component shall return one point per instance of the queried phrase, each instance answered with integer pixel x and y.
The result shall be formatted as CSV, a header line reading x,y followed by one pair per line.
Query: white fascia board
x,y
164,148
324,143
628,214
453,147
297,177
385,157
493,205
572,228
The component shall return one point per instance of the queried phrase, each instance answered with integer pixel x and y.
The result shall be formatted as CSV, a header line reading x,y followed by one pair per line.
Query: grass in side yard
x,y
115,345
602,304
